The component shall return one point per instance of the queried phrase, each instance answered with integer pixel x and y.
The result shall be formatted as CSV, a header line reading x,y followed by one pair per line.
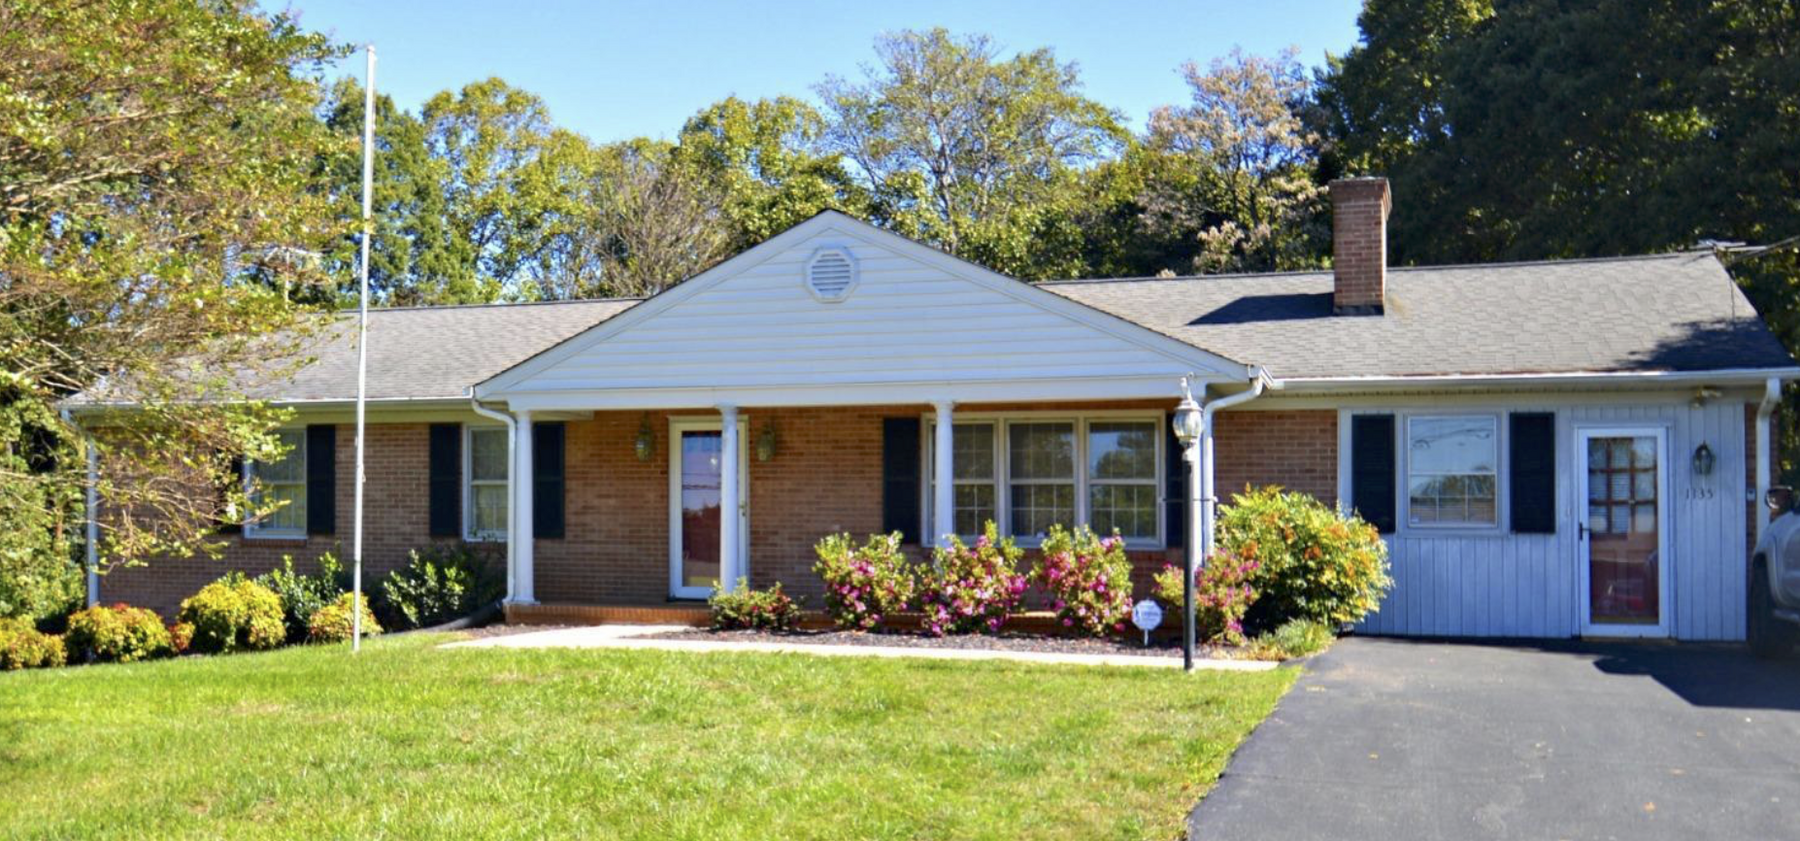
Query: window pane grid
x,y
487,484
1453,471
282,483
1103,472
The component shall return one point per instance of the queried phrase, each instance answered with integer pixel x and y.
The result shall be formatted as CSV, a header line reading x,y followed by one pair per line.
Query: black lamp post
x,y
1188,422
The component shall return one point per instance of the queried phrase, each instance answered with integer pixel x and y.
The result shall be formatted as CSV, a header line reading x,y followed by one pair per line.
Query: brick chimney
x,y
1359,212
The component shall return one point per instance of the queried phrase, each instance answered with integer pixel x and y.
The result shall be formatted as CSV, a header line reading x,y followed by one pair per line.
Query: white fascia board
x,y
1206,362
867,394
1556,381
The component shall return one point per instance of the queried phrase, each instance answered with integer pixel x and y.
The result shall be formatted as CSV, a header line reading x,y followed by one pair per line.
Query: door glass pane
x,y
1624,529
700,488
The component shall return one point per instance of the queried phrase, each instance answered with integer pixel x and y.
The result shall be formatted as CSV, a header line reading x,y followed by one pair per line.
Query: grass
x,y
411,741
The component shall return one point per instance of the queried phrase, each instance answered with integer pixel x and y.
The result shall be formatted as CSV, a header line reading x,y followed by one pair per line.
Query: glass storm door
x,y
1624,531
695,512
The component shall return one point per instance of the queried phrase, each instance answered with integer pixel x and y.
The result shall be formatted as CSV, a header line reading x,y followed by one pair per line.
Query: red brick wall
x,y
395,522
1294,449
825,478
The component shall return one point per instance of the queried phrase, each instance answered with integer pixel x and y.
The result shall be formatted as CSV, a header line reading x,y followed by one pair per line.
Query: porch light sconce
x,y
645,445
1703,460
766,442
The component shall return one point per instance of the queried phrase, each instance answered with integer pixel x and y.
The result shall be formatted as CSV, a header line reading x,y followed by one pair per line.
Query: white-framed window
x,y
1040,476
1123,476
975,468
484,472
1027,472
281,483
1453,471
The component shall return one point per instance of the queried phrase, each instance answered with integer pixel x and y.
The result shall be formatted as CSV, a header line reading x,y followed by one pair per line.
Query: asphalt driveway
x,y
1390,739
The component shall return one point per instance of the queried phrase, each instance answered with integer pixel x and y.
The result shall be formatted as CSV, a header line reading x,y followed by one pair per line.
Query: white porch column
x,y
524,580
730,508
943,508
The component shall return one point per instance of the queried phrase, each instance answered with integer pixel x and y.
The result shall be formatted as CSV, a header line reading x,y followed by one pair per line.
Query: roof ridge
x,y
490,305
1436,267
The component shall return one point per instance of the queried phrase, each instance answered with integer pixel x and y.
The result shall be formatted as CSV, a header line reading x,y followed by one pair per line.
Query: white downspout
x,y
1208,498
1771,398
512,534
91,511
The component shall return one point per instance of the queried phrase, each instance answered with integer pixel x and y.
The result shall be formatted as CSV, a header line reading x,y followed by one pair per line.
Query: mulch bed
x,y
981,642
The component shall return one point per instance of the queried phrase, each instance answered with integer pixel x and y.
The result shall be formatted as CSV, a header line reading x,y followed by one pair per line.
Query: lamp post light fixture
x,y
1189,425
1703,460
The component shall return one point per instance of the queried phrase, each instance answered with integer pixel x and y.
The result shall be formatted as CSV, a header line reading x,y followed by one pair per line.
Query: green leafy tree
x,y
155,205
414,258
765,161
976,154
500,157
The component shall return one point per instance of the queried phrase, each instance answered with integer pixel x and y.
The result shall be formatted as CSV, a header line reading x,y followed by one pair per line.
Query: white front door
x,y
695,481
1624,531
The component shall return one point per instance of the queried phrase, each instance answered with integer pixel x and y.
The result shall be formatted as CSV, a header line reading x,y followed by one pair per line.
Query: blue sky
x,y
614,70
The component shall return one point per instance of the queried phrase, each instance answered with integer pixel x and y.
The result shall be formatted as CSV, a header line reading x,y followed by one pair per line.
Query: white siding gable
x,y
756,327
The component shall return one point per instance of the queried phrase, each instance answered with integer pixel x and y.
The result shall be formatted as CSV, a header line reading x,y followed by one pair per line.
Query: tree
x,y
972,153
155,204
414,259
1227,182
764,160
634,222
495,143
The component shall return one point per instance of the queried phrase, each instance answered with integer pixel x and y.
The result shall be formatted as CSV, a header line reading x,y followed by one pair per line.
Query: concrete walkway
x,y
632,636
1400,740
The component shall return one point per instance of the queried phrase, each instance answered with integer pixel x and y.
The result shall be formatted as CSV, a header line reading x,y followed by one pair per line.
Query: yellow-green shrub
x,y
331,623
1311,561
232,614
23,647
118,634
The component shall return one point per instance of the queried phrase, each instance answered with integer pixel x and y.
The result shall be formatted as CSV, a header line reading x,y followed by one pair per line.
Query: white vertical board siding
x,y
905,320
1529,585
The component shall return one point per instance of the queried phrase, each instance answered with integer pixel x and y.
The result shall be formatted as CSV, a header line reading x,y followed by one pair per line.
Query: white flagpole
x,y
362,346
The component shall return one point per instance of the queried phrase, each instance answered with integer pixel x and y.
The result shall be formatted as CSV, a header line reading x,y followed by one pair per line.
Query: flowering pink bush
x,y
972,588
864,584
1223,591
1089,579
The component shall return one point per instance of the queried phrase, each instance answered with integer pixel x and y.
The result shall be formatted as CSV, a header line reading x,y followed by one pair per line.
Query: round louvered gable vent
x,y
830,274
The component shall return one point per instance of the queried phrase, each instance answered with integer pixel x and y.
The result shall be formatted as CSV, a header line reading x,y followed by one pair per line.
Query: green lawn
x,y
411,741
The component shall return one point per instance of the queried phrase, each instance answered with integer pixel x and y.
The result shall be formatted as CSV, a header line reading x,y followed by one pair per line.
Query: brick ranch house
x,y
1551,449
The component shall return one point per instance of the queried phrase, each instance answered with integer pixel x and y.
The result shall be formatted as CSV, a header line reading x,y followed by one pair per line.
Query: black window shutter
x,y
1372,479
321,479
547,480
900,477
446,480
233,525
1533,474
1175,497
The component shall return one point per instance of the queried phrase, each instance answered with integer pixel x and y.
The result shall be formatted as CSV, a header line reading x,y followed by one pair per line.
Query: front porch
x,y
641,492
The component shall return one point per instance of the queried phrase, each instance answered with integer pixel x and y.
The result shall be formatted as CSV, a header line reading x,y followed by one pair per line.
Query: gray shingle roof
x,y
1672,312
423,353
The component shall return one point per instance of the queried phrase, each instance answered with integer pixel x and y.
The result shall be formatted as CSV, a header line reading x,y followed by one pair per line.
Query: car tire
x,y
1769,638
